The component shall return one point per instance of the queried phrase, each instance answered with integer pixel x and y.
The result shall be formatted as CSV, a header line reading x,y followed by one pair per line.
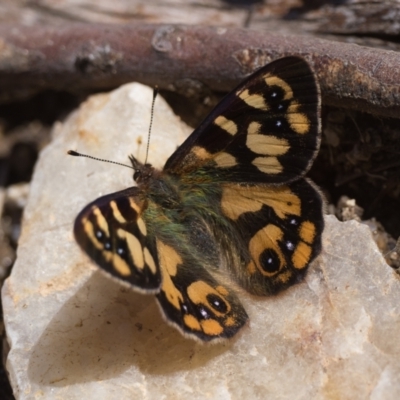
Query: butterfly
x,y
232,199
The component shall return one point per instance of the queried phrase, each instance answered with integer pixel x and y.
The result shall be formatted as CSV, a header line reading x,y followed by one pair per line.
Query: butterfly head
x,y
142,172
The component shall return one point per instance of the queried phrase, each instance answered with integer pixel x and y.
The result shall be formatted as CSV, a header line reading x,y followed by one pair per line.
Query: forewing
x,y
266,130
280,227
194,301
113,234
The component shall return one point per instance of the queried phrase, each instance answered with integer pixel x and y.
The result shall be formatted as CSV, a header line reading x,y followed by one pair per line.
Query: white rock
x,y
74,334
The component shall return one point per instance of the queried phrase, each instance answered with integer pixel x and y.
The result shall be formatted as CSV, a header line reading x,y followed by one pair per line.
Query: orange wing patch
x,y
253,100
237,200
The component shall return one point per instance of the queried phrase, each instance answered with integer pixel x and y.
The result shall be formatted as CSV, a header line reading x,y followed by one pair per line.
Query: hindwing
x,y
193,300
280,227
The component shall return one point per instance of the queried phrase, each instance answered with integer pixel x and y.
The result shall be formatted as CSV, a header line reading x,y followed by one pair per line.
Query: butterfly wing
x,y
266,130
280,229
112,232
193,300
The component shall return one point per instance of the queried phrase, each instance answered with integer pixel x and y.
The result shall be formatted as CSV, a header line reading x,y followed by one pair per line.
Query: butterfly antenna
x,y
155,93
75,153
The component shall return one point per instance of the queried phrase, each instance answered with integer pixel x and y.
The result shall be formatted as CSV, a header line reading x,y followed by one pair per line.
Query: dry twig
x,y
97,57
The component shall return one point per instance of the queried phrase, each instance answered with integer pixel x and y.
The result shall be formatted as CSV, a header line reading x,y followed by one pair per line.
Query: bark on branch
x,y
178,57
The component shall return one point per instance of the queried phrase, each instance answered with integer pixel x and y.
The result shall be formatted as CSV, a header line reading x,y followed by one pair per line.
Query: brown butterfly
x,y
232,197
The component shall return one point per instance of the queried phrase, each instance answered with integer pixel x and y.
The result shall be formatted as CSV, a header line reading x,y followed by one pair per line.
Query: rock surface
x,y
75,334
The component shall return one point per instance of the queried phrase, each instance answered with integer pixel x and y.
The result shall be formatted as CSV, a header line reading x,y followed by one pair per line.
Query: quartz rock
x,y
74,333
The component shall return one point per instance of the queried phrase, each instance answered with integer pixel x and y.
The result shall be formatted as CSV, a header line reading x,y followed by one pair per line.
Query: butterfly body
x,y
231,199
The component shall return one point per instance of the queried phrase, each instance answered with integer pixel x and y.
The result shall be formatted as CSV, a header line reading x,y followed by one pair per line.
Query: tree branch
x,y
83,57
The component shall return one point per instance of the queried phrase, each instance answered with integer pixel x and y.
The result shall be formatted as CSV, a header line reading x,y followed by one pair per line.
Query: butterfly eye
x,y
136,175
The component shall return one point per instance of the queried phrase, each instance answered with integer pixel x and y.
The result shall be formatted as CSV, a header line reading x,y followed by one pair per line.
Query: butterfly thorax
x,y
185,214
